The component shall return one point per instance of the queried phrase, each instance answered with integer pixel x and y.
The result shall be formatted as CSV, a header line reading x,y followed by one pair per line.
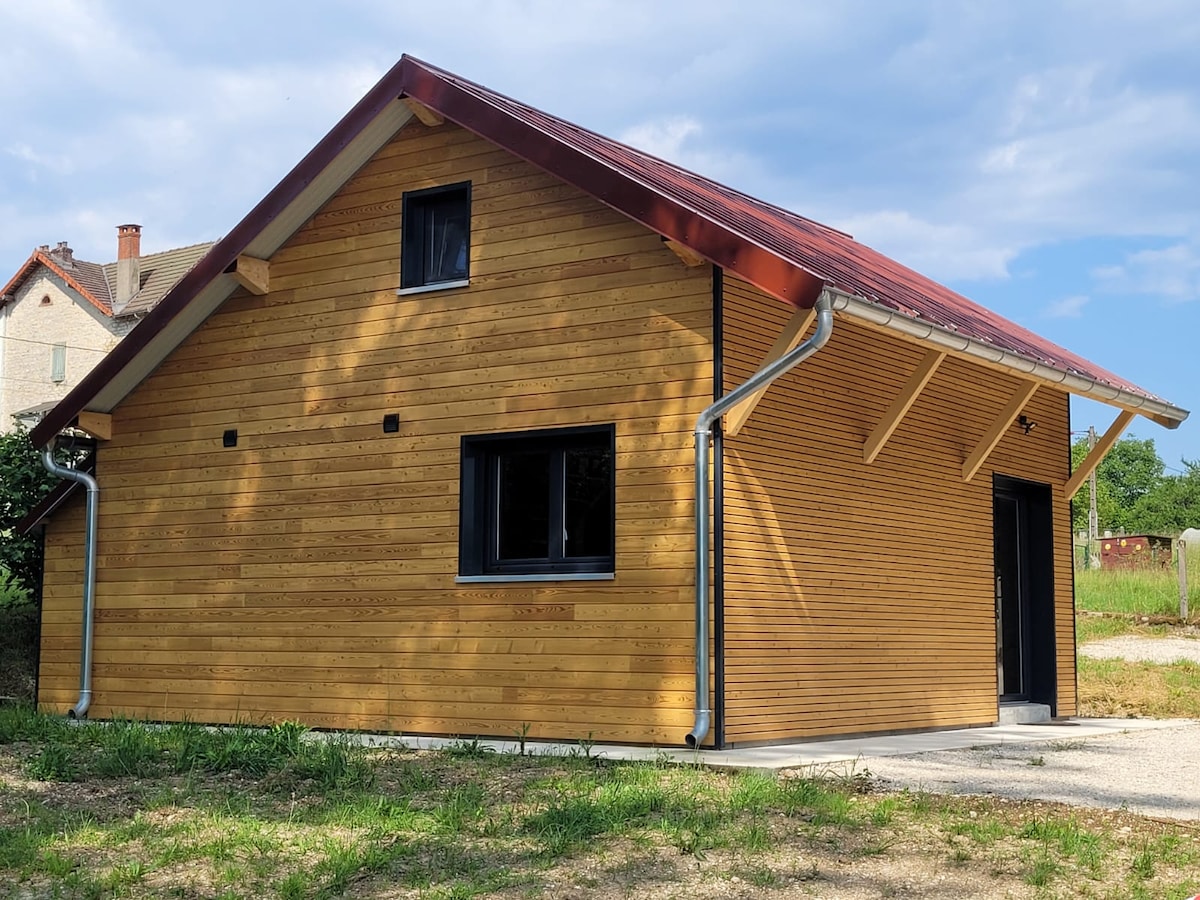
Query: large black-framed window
x,y
539,502
435,238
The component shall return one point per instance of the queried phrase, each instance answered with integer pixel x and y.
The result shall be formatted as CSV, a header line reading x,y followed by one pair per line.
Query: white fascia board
x,y
329,181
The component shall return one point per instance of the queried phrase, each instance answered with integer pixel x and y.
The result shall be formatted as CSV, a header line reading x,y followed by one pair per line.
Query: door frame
x,y
1035,549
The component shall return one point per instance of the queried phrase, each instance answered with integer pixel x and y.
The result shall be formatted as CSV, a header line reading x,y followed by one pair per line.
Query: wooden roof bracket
x,y
1097,453
788,339
426,116
993,435
687,255
902,404
95,424
252,273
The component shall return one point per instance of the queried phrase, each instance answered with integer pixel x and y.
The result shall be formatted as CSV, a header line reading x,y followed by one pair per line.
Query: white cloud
x,y
664,138
1067,308
945,251
56,163
1171,273
1087,162
953,135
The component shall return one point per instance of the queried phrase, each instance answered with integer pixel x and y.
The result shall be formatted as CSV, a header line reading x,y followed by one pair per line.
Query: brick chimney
x,y
129,269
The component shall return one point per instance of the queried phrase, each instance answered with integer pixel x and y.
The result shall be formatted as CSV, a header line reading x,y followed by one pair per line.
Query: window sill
x,y
436,286
548,576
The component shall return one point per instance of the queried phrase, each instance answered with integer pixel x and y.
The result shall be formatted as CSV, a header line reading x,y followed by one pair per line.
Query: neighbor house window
x,y
538,503
435,237
58,363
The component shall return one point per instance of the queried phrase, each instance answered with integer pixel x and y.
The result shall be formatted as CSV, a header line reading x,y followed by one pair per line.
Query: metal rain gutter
x,y
760,379
79,710
943,338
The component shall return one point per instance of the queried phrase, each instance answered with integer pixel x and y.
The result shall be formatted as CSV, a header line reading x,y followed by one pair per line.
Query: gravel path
x,y
1152,772
1147,649
1147,772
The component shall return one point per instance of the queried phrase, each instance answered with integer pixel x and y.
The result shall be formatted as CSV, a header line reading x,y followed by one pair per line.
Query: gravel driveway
x,y
1153,772
1162,651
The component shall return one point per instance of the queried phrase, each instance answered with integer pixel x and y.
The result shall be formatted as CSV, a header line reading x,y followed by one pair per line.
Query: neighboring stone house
x,y
60,315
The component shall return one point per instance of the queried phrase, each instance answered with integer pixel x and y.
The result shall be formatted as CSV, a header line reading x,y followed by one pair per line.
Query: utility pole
x,y
1093,518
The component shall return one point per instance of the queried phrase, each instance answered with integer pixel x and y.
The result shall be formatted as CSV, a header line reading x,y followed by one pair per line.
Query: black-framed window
x,y
435,236
539,502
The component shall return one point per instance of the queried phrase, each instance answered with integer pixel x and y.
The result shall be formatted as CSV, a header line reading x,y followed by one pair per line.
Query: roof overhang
x,y
991,356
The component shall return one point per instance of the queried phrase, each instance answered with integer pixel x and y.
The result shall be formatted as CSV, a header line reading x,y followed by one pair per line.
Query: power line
x,y
27,380
9,337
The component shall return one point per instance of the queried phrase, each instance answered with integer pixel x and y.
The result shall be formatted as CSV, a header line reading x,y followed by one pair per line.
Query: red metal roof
x,y
831,255
788,256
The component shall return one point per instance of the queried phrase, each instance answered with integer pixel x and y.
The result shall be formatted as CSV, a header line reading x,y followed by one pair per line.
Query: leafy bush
x,y
23,484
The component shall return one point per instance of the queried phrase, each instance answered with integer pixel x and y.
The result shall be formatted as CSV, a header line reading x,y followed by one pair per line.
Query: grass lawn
x,y
127,810
1147,592
1143,602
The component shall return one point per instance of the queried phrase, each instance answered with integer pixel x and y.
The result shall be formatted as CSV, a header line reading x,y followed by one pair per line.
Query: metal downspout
x,y
704,423
79,710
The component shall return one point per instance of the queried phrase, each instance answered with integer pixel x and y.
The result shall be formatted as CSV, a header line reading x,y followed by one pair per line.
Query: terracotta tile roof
x,y
97,283
85,278
159,273
790,257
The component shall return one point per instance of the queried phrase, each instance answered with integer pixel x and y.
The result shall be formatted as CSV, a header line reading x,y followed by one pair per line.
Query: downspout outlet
x,y
79,710
700,730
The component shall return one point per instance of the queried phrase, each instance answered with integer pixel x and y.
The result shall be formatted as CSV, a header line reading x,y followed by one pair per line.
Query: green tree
x,y
23,483
1131,471
1172,506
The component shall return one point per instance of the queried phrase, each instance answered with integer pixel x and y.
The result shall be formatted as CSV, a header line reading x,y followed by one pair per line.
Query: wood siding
x,y
859,597
309,573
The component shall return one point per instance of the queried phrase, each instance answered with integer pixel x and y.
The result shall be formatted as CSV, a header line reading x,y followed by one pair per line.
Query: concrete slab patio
x,y
810,754
1142,765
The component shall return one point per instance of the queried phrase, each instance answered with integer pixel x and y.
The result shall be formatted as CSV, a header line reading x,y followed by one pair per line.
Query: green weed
x,y
1041,870
884,811
981,831
1143,863
754,837
472,749
54,762
127,749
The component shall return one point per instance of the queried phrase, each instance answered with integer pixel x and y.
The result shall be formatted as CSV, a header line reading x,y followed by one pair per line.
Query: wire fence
x,y
1158,584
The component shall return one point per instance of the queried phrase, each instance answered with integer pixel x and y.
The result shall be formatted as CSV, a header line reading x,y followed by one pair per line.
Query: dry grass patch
x,y
1121,688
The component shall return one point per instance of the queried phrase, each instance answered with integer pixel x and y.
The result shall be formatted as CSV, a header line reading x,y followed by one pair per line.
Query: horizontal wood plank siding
x,y
309,572
859,597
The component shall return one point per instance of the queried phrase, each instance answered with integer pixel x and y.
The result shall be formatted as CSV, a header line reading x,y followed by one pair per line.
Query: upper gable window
x,y
46,301
435,238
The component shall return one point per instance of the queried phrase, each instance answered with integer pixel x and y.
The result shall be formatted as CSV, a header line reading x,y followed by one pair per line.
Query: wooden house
x,y
428,444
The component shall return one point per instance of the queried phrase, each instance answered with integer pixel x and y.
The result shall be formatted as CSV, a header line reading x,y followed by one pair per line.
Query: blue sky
x,y
1041,157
